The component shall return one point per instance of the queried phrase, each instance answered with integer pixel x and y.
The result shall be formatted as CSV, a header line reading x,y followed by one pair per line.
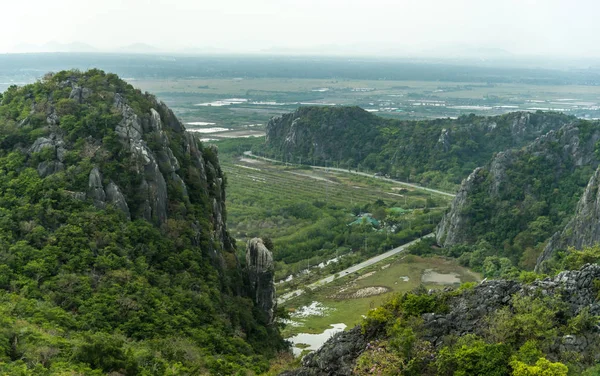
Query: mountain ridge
x,y
437,153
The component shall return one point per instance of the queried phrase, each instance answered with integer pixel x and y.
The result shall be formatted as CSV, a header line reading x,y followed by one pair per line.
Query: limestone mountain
x,y
438,152
583,229
114,253
513,204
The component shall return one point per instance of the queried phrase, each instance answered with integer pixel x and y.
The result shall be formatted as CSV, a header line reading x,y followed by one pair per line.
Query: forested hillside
x,y
505,211
114,255
438,153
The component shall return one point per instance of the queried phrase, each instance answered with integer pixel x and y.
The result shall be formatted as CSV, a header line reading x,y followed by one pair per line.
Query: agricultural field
x,y
247,104
314,216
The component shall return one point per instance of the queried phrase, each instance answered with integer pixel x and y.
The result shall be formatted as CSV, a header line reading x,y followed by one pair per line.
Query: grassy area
x,y
391,274
307,213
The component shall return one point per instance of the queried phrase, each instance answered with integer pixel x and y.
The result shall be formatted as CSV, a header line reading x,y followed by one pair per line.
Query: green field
x,y
307,213
343,307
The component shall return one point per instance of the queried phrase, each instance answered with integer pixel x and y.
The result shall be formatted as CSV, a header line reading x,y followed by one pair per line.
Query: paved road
x,y
415,186
292,294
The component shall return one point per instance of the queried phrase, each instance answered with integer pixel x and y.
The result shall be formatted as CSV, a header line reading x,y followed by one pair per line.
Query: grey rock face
x,y
259,263
52,118
116,198
95,187
130,127
444,140
450,230
583,229
335,357
520,124
47,168
575,288
153,186
80,94
41,144
55,142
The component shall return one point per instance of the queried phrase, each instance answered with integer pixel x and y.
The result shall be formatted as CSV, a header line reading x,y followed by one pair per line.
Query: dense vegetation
x,y
518,339
437,153
519,200
85,290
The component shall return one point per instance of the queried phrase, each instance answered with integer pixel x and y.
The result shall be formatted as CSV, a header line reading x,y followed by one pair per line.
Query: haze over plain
x,y
460,28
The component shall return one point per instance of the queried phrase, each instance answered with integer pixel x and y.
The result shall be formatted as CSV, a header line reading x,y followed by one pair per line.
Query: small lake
x,y
431,276
314,341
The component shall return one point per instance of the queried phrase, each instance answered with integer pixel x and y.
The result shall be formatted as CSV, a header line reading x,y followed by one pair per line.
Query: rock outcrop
x,y
260,267
115,197
336,357
583,229
55,145
575,288
466,315
449,231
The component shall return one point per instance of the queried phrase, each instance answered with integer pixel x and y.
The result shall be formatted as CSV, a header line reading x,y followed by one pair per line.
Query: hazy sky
x,y
548,27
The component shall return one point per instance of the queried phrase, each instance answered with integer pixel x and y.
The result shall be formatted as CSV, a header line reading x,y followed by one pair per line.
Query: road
x,y
292,294
415,186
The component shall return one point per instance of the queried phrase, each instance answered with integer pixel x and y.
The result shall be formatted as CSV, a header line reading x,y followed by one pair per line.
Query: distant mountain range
x,y
136,48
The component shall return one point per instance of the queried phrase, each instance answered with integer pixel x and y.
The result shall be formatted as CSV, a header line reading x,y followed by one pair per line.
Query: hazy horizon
x,y
461,28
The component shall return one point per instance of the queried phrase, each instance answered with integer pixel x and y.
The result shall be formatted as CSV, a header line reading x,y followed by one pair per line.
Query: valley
x,y
414,220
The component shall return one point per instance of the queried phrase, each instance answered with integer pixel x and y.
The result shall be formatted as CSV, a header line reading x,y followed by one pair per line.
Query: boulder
x,y
95,187
116,198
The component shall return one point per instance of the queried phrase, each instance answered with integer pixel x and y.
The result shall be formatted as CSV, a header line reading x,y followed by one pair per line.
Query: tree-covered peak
x,y
114,254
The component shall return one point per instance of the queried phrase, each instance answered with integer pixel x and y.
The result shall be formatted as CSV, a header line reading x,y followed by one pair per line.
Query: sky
x,y
400,27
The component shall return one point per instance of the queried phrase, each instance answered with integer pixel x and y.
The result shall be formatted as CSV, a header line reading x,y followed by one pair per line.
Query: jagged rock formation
x,y
148,138
466,315
450,229
513,180
583,229
350,136
576,288
335,357
445,140
259,263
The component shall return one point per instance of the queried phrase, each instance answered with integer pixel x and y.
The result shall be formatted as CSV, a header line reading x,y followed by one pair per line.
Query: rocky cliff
x,y
430,152
523,195
260,266
583,229
471,312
